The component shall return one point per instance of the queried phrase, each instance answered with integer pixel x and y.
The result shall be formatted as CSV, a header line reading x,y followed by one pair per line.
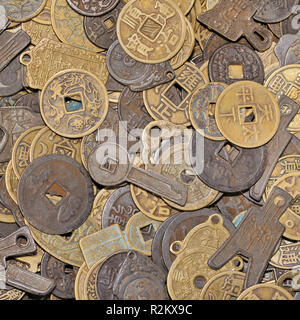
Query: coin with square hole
x,y
55,194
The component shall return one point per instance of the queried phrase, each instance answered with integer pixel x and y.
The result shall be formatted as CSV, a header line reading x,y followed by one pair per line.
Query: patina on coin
x,y
55,194
151,31
74,103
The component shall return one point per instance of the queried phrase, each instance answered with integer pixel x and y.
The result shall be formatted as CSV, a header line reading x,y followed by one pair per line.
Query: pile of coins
x,y
150,149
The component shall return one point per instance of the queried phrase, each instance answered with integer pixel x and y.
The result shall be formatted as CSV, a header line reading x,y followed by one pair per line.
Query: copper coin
x,y
55,194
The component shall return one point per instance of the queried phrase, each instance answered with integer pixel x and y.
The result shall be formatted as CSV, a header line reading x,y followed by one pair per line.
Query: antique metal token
x,y
170,101
68,26
21,150
184,5
79,281
235,62
178,228
271,12
247,114
57,189
284,81
223,162
74,103
119,208
224,286
151,32
202,110
92,8
101,30
11,182
63,274
265,291
47,142
20,11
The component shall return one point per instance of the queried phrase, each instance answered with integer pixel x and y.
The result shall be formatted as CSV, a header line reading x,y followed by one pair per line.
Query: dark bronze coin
x,y
291,25
156,249
113,85
119,208
180,227
132,111
31,101
235,62
225,167
234,204
101,30
273,11
63,274
55,194
137,75
92,8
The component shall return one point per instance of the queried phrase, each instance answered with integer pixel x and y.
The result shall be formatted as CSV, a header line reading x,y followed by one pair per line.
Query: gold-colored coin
x,y
47,142
247,114
45,16
68,26
265,291
139,232
192,19
114,96
170,101
190,272
50,57
184,5
174,164
11,294
152,206
65,248
11,182
285,81
187,48
20,158
99,203
285,165
74,103
151,31
291,218
90,285
38,32
79,281
227,285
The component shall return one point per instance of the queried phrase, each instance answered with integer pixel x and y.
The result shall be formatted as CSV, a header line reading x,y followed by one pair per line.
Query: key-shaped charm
x,y
256,237
109,165
233,19
288,109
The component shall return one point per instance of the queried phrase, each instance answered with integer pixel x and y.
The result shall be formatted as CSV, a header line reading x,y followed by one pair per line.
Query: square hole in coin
x,y
236,71
150,28
228,152
247,114
147,232
73,104
109,164
176,93
55,194
109,23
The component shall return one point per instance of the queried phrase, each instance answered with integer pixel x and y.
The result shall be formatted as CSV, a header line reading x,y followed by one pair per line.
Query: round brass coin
x,y
285,81
21,150
74,103
265,291
247,114
151,31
